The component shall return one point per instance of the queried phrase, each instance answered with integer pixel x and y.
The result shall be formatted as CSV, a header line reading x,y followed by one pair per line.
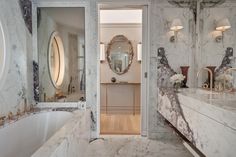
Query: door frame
x,y
145,6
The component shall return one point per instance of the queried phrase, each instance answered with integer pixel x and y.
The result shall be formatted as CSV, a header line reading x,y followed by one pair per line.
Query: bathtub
x,y
25,136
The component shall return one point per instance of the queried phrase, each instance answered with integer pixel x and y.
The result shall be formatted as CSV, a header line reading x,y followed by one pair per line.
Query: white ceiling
x,y
72,17
121,16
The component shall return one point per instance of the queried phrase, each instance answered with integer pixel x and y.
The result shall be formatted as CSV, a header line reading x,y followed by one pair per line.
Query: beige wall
x,y
134,33
121,98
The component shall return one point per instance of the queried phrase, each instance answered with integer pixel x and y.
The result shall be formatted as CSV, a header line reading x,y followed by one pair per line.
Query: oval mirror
x,y
120,54
56,59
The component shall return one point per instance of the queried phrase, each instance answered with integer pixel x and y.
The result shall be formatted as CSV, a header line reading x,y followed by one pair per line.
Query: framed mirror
x,y
61,54
56,63
120,54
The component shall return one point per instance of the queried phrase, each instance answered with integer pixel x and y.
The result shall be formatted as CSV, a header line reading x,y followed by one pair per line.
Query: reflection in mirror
x,y
61,40
56,60
120,54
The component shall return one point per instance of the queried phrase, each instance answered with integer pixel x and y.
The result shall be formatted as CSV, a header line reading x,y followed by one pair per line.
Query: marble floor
x,y
135,146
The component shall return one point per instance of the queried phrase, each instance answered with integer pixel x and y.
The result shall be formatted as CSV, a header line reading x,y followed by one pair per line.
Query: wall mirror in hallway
x,y
61,53
120,54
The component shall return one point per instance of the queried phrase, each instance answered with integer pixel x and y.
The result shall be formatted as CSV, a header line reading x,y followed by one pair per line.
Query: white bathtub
x,y
23,137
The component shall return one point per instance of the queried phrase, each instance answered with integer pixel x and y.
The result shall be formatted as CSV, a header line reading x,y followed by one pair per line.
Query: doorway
x,y
122,82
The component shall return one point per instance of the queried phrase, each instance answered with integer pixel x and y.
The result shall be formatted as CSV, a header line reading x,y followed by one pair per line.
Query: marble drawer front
x,y
193,118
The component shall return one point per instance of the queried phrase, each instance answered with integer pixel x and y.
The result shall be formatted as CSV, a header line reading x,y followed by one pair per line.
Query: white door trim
x,y
145,60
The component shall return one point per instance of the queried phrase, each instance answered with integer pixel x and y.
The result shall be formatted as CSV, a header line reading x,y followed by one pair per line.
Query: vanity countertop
x,y
218,106
226,101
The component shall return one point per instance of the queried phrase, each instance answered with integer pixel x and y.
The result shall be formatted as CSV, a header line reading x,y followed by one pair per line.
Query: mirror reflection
x,y
56,60
120,54
61,51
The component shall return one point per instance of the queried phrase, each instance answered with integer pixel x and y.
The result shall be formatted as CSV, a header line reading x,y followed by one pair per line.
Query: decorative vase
x,y
212,68
177,87
113,79
184,70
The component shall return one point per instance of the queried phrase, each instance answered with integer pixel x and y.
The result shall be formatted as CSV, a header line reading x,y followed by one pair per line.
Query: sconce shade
x,y
223,25
139,51
176,25
102,52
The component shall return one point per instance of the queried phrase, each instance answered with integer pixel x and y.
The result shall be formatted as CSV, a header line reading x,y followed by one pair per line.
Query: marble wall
x,y
17,81
212,52
179,53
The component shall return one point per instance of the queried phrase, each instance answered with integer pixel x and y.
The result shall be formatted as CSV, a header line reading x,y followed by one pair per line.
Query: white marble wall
x,y
46,28
178,54
16,83
212,52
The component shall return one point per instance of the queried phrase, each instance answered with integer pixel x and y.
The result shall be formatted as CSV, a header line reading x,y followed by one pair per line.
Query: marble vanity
x,y
207,119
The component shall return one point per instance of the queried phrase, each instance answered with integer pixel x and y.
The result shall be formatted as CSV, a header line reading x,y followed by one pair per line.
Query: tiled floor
x,y
135,146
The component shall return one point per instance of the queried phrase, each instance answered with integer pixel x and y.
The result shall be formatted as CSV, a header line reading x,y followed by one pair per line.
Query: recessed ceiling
x,y
121,16
72,17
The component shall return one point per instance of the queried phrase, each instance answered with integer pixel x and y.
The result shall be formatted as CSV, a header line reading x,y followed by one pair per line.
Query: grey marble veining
x,y
16,84
209,117
135,146
71,140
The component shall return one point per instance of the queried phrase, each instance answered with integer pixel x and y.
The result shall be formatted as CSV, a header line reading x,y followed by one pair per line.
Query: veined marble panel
x,y
71,140
17,83
135,146
203,118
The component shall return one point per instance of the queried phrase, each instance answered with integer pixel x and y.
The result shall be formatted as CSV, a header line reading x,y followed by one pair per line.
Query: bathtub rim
x,y
27,115
53,143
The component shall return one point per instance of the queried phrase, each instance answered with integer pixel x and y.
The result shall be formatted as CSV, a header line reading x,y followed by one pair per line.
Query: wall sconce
x,y
175,27
102,52
139,51
221,26
217,35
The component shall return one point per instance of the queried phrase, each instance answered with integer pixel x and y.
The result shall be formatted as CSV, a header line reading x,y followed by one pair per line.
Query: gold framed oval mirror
x,y
120,54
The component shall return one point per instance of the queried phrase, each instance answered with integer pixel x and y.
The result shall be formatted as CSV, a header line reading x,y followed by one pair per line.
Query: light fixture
x,y
175,27
139,51
221,26
102,52
217,35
